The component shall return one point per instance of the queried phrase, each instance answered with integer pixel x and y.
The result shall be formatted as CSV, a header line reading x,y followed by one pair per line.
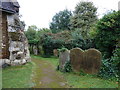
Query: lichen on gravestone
x,y
64,56
76,58
89,61
92,61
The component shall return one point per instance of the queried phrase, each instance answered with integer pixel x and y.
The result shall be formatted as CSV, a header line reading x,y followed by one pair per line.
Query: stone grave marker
x,y
76,58
63,58
89,61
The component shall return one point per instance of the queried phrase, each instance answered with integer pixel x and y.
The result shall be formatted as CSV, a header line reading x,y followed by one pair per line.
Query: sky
x,y
40,12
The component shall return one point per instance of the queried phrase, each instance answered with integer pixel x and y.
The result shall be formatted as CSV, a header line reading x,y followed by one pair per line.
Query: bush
x,y
108,34
65,39
67,67
110,67
108,31
62,49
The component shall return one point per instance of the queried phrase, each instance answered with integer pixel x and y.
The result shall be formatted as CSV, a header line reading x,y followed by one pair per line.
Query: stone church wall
x,y
18,44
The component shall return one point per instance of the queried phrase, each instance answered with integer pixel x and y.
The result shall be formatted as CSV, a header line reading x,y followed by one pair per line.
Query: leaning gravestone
x,y
88,61
76,58
64,56
92,61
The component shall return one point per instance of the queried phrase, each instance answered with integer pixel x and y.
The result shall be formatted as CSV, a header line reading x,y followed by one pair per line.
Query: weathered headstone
x,y
64,56
92,61
76,58
55,52
88,61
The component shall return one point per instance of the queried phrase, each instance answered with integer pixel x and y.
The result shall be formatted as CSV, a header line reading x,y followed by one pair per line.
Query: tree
x,y
41,32
31,32
32,38
108,33
84,17
60,21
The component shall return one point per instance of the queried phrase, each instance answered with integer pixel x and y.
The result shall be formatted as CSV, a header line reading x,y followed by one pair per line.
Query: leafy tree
x,y
41,32
108,32
32,38
61,21
31,32
84,17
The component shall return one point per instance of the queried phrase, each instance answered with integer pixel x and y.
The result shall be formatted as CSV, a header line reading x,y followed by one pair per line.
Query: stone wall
x,y
0,35
18,44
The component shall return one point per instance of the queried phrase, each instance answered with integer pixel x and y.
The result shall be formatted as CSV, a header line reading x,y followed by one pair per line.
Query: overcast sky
x,y
40,12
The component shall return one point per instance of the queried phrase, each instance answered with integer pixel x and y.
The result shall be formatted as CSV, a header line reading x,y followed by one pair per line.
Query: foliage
x,y
62,49
84,17
31,32
108,32
53,41
67,67
110,67
34,35
64,39
41,32
34,42
60,21
108,70
93,32
82,73
47,45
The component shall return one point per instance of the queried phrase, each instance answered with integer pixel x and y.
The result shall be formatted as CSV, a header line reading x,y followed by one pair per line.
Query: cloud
x,y
40,12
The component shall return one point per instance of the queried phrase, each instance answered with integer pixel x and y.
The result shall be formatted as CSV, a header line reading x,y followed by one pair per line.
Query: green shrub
x,y
108,31
110,67
67,67
62,49
108,34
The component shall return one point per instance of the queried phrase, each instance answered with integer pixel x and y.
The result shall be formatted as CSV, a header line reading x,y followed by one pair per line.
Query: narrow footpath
x,y
46,76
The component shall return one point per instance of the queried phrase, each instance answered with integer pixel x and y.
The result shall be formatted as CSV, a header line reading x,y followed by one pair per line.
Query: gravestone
x,y
76,58
55,52
92,61
64,56
35,50
88,61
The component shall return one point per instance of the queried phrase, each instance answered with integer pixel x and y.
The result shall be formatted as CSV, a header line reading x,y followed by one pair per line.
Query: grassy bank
x,y
76,81
17,76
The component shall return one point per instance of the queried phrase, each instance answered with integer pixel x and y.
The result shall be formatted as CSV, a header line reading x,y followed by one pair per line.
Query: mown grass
x,y
52,59
17,76
79,81
20,77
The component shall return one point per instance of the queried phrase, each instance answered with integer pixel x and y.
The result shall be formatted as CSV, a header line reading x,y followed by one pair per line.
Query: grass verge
x,y
17,76
79,81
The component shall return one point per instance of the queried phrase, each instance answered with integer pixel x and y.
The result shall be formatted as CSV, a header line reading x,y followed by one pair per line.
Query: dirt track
x,y
45,76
